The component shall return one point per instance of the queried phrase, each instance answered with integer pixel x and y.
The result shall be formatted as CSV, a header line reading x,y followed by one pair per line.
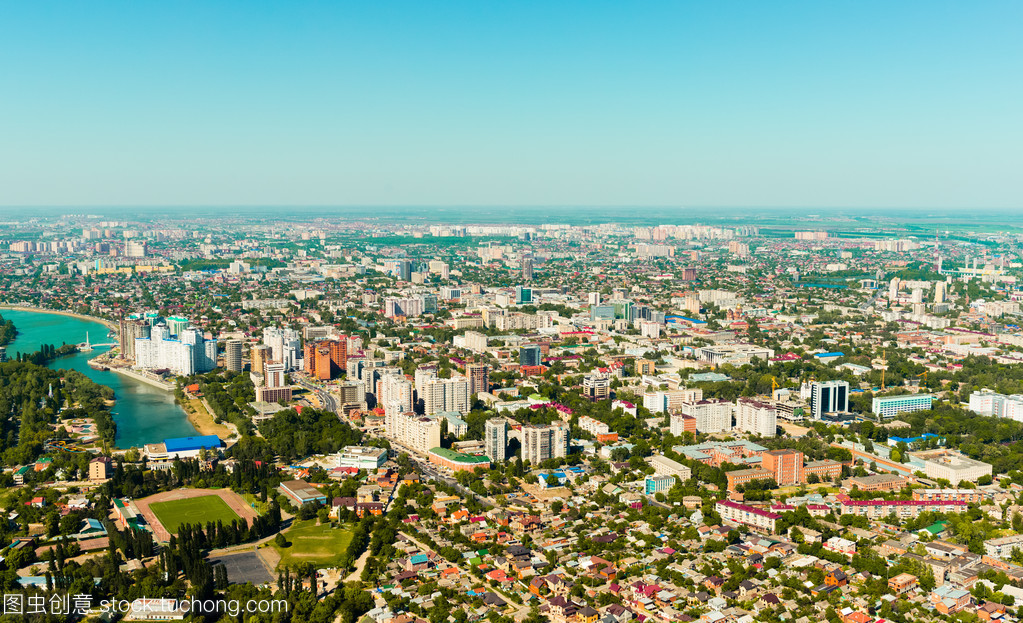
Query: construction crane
x,y
925,377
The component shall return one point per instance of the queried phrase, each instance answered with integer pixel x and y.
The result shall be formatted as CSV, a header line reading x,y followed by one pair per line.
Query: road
x,y
431,472
327,400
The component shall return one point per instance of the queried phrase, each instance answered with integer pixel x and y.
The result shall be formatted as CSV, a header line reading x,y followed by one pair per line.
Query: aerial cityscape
x,y
587,313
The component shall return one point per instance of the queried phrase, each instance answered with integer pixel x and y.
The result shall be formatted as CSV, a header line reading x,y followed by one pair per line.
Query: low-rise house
x,y
947,599
836,578
902,583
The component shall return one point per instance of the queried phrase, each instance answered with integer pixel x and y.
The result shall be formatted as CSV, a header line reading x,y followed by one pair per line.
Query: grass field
x,y
318,544
260,507
199,510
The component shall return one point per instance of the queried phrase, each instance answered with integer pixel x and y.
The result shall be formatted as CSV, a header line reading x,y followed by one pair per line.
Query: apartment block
x,y
712,416
756,518
755,417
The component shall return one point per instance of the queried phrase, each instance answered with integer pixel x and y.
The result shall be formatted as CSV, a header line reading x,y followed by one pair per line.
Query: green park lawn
x,y
318,544
201,510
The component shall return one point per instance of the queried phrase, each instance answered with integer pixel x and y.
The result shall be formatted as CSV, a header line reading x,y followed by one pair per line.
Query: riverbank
x,y
43,310
203,420
144,412
138,376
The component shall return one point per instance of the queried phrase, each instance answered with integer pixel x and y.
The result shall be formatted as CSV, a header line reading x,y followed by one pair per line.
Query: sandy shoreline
x,y
41,310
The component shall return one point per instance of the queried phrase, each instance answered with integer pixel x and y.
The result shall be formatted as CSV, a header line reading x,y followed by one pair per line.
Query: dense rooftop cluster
x,y
556,422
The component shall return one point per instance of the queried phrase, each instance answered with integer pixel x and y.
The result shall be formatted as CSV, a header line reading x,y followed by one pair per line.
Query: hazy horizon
x,y
234,103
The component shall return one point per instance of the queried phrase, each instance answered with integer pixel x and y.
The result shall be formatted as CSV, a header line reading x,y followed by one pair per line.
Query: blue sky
x,y
519,103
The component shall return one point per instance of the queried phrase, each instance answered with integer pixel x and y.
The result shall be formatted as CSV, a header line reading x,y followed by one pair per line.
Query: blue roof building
x,y
185,444
683,320
834,355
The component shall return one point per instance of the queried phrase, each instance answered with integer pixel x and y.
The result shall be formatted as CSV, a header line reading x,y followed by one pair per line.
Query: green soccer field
x,y
314,543
208,508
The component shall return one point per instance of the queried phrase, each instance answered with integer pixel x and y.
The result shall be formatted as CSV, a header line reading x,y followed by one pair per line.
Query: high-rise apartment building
x,y
259,356
712,416
273,388
681,424
496,439
475,341
325,359
394,393
233,355
893,288
394,307
479,377
130,329
204,352
988,402
437,267
755,417
321,363
285,345
401,269
527,269
177,324
135,249
439,395
740,249
184,356
274,375
540,443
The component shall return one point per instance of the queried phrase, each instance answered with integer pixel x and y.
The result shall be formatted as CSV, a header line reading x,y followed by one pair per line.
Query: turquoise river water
x,y
144,414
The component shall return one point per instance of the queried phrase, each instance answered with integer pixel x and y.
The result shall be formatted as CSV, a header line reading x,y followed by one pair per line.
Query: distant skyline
x,y
872,104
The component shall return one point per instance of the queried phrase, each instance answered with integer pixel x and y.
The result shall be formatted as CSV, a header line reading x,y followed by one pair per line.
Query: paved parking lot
x,y
244,567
